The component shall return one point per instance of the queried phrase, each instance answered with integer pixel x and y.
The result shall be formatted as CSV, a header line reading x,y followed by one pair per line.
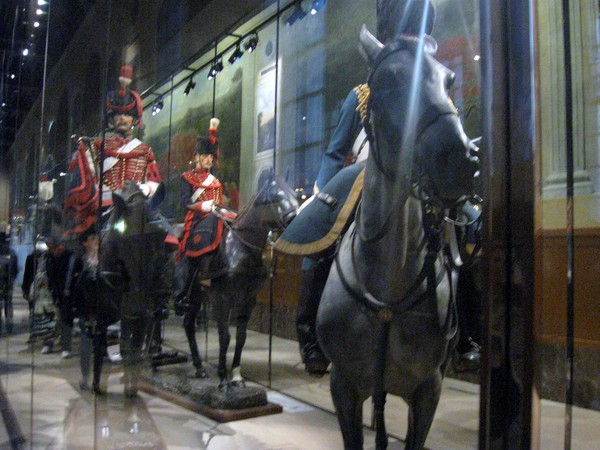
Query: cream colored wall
x,y
586,114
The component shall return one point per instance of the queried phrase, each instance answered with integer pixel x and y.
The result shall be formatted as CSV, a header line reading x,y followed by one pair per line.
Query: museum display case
x,y
276,74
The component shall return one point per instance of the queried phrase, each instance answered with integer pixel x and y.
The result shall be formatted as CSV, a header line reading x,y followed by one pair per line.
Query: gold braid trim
x,y
362,92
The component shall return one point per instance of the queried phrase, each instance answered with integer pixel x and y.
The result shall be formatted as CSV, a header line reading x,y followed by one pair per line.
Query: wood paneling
x,y
551,287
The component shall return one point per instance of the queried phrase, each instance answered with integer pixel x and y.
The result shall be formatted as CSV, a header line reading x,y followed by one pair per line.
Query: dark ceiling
x,y
23,74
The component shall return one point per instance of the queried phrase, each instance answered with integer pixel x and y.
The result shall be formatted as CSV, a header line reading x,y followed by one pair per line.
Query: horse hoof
x,y
201,373
316,363
223,386
238,383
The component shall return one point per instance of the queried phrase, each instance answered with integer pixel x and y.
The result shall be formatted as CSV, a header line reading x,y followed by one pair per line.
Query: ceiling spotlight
x,y
237,54
251,43
316,6
297,14
215,68
25,52
191,85
157,106
36,24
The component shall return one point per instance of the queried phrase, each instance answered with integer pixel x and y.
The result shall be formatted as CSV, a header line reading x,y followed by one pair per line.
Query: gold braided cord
x,y
362,92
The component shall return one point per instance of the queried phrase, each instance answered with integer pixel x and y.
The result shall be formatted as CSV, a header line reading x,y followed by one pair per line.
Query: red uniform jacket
x,y
202,229
125,159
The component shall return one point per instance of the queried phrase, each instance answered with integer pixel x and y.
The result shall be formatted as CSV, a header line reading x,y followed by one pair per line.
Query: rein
x,y
239,237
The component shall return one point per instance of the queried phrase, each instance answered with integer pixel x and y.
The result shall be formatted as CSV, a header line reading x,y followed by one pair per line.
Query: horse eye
x,y
449,81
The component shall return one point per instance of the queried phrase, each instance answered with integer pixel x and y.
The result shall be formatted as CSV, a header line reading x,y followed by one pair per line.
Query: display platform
x,y
178,385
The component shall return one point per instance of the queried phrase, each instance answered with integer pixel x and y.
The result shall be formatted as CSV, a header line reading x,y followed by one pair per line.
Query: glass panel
x,y
278,107
567,245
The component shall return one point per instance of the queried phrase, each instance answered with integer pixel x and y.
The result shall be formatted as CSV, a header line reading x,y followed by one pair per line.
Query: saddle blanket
x,y
320,223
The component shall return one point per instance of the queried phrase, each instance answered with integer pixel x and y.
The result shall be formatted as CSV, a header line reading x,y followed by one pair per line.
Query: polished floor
x,y
44,408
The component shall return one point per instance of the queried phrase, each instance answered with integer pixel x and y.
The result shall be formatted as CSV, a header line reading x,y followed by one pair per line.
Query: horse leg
x,y
189,325
134,330
240,340
421,409
221,312
100,346
348,405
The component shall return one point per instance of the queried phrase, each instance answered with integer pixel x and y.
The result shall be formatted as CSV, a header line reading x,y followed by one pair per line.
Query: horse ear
x,y
369,45
158,196
119,203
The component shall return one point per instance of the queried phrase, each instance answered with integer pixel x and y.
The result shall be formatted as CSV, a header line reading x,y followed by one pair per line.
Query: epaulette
x,y
362,92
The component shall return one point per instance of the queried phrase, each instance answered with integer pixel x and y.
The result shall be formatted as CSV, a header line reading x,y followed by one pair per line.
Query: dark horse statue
x,y
387,317
240,275
134,262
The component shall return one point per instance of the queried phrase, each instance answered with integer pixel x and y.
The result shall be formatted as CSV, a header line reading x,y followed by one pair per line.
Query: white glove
x,y
207,205
148,188
145,189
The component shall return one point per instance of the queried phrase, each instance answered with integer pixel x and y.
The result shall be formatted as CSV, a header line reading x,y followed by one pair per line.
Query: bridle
x,y
281,222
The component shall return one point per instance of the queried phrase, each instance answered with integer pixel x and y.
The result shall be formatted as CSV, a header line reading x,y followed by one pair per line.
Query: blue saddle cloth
x,y
328,215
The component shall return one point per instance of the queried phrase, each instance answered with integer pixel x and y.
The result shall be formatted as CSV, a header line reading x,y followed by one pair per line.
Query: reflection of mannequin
x,y
49,213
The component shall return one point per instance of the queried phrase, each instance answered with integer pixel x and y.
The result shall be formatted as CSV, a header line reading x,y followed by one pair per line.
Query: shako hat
x,y
210,145
125,100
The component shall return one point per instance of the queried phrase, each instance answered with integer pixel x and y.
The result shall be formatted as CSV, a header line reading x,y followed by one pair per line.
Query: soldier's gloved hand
x,y
207,205
144,188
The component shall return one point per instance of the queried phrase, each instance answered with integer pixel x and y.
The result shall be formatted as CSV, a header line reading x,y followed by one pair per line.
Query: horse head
x,y
415,128
133,211
276,203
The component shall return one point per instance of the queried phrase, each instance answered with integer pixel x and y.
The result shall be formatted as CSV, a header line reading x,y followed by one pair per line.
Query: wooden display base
x,y
203,396
167,358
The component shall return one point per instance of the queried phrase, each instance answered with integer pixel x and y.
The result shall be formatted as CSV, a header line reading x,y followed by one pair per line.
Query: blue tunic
x,y
320,223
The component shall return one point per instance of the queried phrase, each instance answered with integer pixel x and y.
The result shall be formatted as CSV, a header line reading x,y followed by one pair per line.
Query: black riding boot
x,y
100,346
182,283
311,287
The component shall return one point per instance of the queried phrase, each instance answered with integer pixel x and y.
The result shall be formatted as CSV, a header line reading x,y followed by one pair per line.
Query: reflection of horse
x,y
387,315
134,260
237,284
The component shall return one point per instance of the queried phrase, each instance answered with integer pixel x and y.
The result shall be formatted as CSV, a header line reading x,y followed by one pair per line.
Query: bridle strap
x,y
239,237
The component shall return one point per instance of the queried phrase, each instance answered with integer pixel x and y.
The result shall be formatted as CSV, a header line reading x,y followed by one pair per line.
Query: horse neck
x,y
251,230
